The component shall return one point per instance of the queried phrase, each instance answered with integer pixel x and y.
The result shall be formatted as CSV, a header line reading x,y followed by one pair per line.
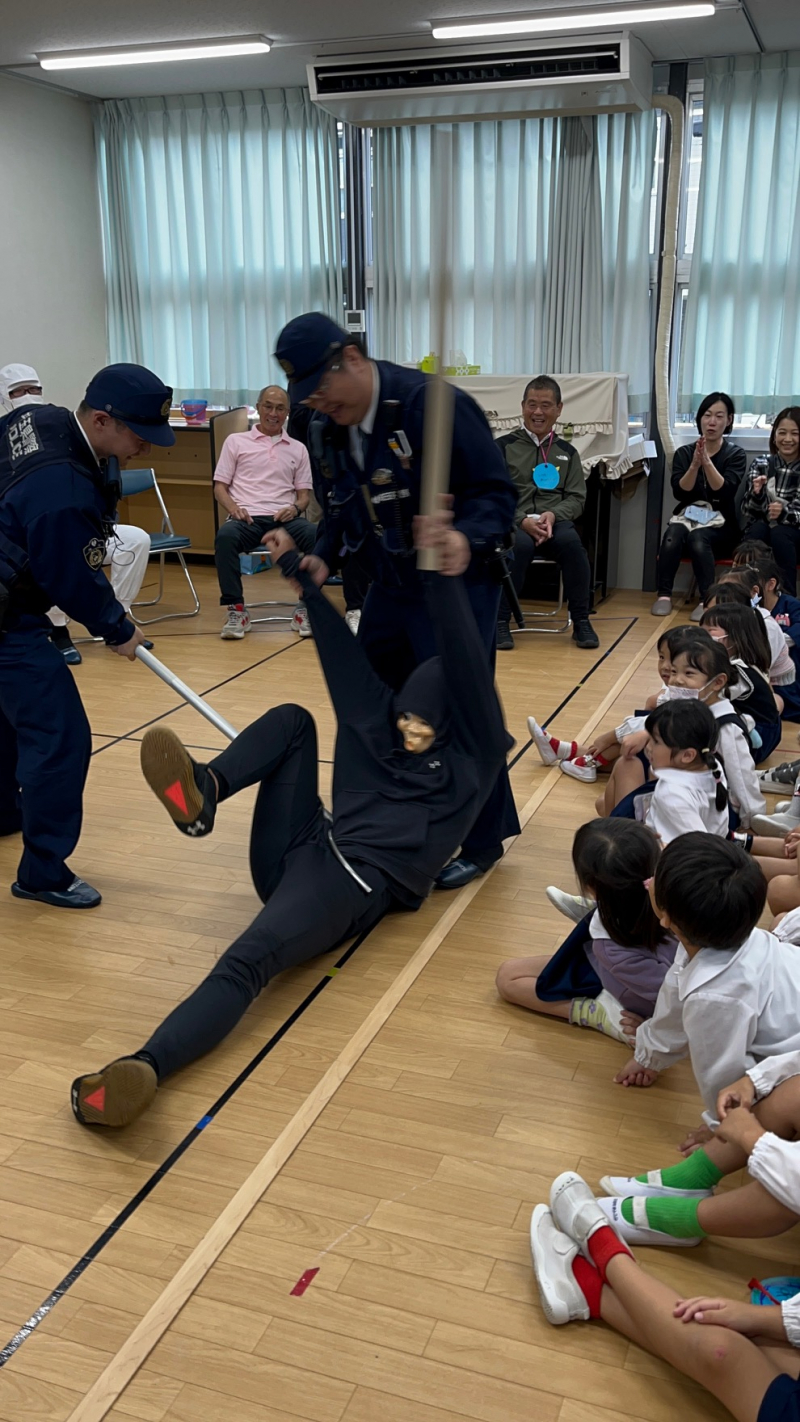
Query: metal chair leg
x,y
168,616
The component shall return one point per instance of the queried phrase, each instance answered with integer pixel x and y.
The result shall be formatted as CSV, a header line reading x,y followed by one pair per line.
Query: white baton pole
x,y
437,437
186,692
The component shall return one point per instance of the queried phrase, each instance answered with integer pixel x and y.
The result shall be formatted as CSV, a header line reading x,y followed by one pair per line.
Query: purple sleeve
x,y
632,975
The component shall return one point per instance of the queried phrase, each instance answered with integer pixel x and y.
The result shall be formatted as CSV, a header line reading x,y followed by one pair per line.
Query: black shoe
x,y
79,895
187,790
64,644
584,635
505,642
458,873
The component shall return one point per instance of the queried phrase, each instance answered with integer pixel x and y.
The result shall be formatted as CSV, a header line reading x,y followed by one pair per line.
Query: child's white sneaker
x,y
553,1253
573,906
549,747
640,1232
576,1212
627,1186
582,767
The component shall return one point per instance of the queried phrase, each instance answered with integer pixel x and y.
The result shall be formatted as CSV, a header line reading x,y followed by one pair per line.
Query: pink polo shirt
x,y
263,474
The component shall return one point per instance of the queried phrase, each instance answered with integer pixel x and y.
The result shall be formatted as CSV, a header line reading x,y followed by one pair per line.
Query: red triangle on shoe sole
x,y
97,1100
176,795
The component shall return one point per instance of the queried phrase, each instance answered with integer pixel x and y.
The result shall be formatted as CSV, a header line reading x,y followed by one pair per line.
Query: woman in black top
x,y
411,771
770,510
707,473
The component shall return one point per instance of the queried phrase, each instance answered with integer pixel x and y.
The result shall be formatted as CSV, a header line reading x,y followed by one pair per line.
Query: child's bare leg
x,y
628,775
516,982
749,1213
732,1368
783,892
773,868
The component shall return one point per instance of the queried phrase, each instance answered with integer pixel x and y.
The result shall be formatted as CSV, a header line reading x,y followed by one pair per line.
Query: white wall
x,y
52,290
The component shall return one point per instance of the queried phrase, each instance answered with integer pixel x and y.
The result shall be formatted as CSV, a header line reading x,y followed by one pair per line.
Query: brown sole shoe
x,y
116,1095
169,771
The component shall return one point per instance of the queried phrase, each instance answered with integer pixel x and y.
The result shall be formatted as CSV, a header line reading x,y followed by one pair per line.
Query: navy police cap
x,y
305,347
134,395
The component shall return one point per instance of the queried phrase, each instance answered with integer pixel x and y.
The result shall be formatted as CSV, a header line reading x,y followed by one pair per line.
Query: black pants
x,y
784,540
566,549
311,903
235,537
702,545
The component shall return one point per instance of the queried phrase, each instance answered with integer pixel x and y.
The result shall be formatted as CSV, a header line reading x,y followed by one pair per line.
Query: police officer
x,y
58,492
365,443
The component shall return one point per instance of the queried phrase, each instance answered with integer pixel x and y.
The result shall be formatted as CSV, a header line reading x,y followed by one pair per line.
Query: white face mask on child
x,y
686,693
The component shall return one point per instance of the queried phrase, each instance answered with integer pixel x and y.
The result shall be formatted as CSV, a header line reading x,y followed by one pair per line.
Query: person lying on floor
x,y
411,772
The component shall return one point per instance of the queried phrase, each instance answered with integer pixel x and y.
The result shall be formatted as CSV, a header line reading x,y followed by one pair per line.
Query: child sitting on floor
x,y
732,996
742,633
760,1129
583,763
608,972
688,791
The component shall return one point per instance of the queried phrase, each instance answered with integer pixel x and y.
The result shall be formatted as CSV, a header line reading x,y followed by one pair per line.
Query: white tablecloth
x,y
595,405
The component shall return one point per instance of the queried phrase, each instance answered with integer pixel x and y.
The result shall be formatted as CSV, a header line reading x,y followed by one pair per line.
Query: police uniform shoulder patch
x,y
287,367
165,408
94,553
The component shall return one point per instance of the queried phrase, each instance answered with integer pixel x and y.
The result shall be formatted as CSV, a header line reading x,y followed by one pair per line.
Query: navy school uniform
x,y
53,502
368,514
786,613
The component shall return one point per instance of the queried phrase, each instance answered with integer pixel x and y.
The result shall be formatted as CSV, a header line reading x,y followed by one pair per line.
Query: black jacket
x,y
729,462
407,814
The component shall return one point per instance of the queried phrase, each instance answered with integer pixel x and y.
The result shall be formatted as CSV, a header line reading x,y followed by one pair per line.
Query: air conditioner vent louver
x,y
578,75
478,69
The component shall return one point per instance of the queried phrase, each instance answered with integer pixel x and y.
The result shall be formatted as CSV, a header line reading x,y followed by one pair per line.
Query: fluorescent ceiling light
x,y
156,53
584,20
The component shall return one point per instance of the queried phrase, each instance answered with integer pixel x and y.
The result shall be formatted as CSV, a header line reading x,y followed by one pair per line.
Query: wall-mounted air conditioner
x,y
580,75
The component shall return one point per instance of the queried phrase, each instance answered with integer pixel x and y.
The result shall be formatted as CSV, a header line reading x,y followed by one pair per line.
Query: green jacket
x,y
522,455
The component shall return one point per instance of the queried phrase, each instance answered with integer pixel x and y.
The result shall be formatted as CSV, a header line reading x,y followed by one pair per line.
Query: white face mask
x,y
686,693
755,600
17,401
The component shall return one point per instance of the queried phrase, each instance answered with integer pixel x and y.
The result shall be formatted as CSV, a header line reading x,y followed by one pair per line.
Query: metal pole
x,y
186,692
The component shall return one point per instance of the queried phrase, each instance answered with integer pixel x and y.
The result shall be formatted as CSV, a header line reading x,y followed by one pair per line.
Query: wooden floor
x,y
413,1191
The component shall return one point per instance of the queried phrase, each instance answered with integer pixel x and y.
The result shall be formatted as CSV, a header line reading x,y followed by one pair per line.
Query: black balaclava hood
x,y
425,695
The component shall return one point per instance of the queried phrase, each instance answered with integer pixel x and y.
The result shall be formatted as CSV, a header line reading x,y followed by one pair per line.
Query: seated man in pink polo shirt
x,y
262,479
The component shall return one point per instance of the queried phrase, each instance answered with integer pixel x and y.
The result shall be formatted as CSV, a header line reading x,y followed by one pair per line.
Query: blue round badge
x,y
546,476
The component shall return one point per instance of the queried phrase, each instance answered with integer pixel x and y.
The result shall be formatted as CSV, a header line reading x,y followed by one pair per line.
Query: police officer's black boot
x,y
505,642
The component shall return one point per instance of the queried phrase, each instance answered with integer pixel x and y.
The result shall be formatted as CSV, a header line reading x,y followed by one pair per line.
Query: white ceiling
x,y
304,28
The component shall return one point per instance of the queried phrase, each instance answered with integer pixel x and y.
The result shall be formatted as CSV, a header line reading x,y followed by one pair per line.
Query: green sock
x,y
697,1172
675,1217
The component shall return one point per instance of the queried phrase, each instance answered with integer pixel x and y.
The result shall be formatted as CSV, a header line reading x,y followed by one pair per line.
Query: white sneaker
x,y
353,620
237,624
553,1253
698,613
627,1186
640,1232
541,740
775,825
300,623
575,1210
583,767
573,906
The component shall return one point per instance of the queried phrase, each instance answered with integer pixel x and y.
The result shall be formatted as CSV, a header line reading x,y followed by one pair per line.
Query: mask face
x,y
17,401
418,736
681,693
755,600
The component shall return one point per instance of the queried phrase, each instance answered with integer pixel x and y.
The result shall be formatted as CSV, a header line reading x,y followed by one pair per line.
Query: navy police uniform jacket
x,y
53,503
369,513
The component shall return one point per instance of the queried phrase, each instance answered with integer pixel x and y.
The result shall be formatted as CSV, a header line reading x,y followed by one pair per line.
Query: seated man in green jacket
x,y
551,494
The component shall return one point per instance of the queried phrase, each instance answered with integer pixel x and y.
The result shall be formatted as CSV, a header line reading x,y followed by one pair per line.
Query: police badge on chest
x,y
94,553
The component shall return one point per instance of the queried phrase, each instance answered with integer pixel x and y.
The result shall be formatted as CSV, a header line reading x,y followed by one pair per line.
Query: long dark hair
x,y
792,412
612,859
734,588
750,550
690,725
746,633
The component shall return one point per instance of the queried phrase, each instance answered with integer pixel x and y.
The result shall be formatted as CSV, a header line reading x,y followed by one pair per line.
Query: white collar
x,y
707,965
704,778
86,437
367,425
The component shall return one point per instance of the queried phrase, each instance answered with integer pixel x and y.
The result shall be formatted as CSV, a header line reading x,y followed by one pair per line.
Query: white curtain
x,y
221,221
742,332
548,264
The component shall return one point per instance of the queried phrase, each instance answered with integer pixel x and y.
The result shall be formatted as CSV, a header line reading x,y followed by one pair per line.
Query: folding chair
x,y
140,481
546,616
251,564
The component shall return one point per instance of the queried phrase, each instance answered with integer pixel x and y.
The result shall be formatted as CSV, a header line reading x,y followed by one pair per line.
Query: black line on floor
x,y
183,704
111,1230
172,1159
575,690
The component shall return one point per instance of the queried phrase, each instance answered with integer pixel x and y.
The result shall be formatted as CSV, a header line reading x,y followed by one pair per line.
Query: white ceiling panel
x,y
316,27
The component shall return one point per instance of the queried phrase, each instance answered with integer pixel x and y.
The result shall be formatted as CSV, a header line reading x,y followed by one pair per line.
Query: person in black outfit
x,y
411,770
707,473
